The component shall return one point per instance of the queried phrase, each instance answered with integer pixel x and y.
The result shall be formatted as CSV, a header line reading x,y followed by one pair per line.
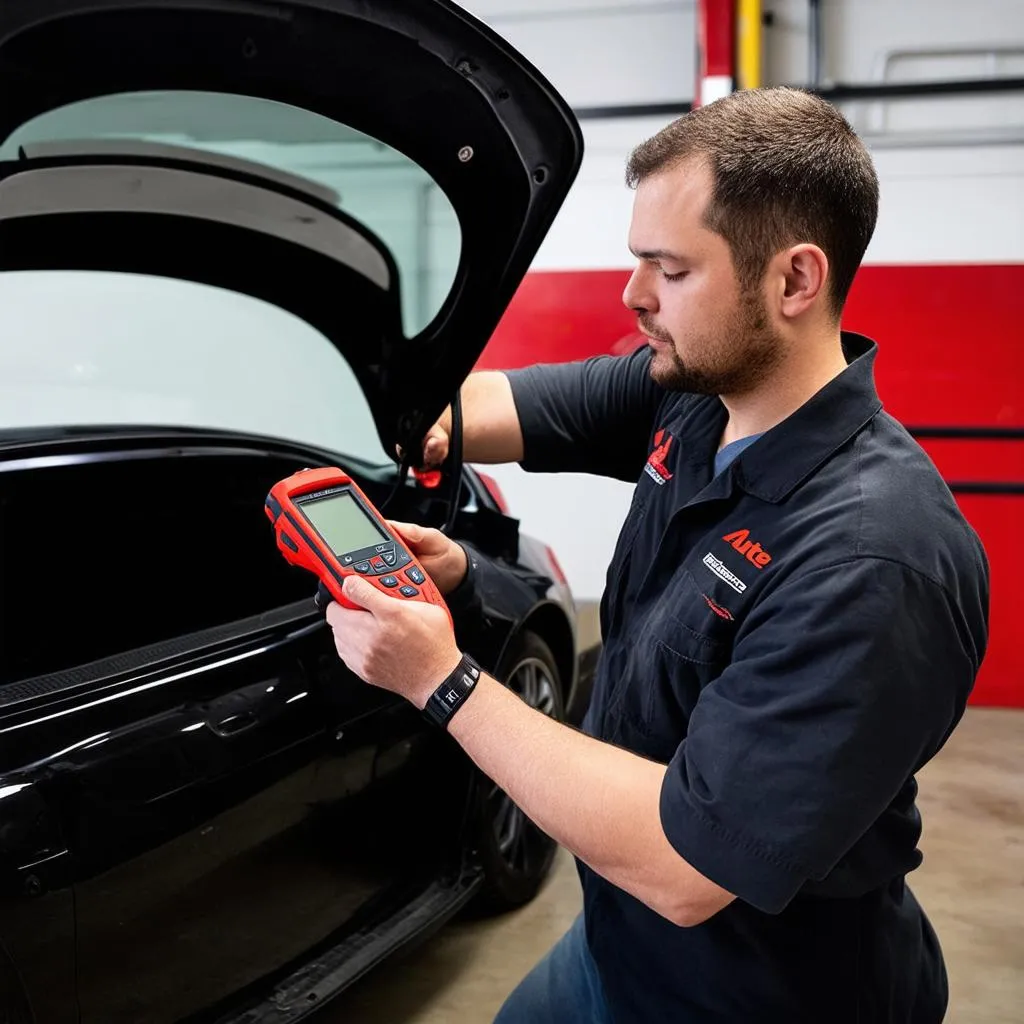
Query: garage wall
x,y
602,52
943,285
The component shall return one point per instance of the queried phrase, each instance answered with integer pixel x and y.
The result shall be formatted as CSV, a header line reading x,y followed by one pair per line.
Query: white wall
x,y
602,52
939,203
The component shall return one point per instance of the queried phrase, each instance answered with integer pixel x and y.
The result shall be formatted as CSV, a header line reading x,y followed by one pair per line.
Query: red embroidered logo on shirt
x,y
722,613
755,554
655,467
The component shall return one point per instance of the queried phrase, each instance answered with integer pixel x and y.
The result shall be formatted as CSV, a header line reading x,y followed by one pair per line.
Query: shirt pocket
x,y
690,623
686,645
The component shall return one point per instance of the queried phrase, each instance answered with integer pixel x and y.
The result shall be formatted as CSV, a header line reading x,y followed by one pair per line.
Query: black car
x,y
238,239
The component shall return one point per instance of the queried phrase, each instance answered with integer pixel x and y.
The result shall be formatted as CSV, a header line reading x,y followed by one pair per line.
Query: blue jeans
x,y
563,988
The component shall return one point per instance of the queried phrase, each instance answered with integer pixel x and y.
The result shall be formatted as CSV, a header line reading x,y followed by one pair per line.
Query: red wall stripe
x,y
716,39
951,352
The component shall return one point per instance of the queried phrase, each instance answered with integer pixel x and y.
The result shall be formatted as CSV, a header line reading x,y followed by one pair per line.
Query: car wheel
x,y
516,855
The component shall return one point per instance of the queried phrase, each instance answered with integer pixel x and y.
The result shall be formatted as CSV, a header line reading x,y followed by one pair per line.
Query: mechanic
x,y
793,620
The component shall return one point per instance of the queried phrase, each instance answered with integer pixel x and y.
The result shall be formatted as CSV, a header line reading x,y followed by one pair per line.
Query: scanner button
x,y
363,567
389,581
378,563
415,575
408,591
390,557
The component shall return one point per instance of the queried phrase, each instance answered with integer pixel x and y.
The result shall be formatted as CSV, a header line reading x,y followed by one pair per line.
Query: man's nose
x,y
639,296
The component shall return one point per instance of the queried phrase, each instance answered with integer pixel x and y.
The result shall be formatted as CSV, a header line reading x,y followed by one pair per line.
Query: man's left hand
x,y
407,647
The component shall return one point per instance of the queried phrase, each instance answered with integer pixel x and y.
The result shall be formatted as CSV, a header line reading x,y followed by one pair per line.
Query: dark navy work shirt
x,y
794,638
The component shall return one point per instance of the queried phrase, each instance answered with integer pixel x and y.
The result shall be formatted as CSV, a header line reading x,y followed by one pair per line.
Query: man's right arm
x,y
490,423
591,416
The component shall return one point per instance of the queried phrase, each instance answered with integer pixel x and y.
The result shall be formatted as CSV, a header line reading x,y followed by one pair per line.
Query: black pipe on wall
x,y
815,46
838,93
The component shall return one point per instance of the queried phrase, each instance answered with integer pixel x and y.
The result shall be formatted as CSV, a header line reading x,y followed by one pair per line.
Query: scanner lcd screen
x,y
341,521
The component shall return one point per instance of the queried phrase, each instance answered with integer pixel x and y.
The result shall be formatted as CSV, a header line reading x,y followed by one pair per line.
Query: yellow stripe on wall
x,y
748,44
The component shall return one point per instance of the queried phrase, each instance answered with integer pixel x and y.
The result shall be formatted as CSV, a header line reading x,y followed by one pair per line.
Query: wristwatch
x,y
452,693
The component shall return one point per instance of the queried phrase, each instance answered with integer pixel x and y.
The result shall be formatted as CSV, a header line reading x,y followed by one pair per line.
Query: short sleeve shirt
x,y
794,637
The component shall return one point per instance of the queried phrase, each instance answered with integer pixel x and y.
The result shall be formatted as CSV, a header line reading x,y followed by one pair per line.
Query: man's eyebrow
x,y
657,254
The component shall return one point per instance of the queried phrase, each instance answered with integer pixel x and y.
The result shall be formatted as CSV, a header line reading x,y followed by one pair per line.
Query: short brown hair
x,y
787,168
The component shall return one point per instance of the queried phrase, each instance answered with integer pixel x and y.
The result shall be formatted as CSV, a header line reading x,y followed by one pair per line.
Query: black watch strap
x,y
452,693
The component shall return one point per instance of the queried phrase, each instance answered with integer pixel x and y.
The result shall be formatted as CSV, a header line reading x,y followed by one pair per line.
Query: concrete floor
x,y
971,885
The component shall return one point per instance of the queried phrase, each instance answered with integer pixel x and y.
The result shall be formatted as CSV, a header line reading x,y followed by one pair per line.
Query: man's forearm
x,y
491,431
598,801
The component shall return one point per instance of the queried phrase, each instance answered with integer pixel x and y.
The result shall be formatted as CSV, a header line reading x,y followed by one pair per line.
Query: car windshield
x,y
86,348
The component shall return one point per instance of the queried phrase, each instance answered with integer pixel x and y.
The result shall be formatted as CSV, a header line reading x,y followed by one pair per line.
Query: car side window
x,y
101,558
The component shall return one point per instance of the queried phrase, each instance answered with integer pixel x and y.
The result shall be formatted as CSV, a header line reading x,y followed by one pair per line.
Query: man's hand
x,y
436,443
490,424
442,559
406,647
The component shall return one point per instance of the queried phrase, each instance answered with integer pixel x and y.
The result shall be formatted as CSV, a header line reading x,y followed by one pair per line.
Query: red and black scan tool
x,y
325,524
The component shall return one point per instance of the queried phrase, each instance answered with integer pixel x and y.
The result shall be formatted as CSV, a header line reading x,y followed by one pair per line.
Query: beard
x,y
732,361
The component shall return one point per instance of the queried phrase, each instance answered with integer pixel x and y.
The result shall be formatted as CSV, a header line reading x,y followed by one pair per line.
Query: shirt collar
x,y
786,455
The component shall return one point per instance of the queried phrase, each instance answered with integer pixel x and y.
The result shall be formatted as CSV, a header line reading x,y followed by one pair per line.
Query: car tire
x,y
515,854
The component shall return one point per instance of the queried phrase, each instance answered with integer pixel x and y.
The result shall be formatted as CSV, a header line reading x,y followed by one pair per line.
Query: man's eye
x,y
673,277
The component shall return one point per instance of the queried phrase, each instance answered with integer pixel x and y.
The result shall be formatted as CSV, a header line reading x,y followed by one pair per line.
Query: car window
x,y
382,188
151,550
87,348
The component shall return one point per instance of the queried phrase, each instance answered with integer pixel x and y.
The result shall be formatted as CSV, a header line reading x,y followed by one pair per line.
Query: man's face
x,y
706,334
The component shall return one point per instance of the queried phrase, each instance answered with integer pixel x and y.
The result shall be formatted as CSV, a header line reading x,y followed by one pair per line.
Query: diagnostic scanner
x,y
325,524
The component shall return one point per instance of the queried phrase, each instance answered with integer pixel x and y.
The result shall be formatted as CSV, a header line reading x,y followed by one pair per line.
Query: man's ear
x,y
802,272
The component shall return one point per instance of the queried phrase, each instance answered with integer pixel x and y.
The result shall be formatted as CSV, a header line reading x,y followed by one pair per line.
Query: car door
x,y
219,783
